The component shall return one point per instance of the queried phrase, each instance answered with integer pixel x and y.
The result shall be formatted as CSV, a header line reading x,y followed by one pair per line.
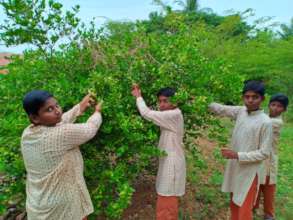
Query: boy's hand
x,y
136,91
85,103
98,107
229,154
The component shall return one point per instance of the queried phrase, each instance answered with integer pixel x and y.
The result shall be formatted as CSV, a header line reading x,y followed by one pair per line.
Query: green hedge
x,y
125,145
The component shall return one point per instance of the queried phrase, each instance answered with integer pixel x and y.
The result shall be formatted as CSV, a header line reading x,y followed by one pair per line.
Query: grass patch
x,y
284,198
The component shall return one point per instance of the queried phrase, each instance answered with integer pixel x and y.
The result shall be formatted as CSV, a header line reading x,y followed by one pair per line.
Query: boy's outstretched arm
x,y
225,110
161,118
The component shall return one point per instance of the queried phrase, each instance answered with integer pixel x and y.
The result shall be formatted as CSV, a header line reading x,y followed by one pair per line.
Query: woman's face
x,y
49,114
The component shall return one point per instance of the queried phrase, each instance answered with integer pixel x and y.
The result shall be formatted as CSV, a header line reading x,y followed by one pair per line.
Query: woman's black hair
x,y
34,100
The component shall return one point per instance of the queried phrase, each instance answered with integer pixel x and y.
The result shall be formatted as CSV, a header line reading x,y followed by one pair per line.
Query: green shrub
x,y
125,144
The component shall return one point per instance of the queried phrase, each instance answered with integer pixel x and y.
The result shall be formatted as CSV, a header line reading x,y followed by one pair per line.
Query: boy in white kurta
x,y
170,183
277,105
55,186
251,144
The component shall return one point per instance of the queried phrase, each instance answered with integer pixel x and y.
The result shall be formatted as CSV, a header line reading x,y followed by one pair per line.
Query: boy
x,y
251,144
55,185
170,182
277,105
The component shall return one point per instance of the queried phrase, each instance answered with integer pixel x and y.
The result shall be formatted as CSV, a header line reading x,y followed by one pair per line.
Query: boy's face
x,y
164,103
252,100
49,114
276,109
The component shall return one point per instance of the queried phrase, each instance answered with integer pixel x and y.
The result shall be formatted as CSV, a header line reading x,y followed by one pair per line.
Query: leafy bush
x,y
125,145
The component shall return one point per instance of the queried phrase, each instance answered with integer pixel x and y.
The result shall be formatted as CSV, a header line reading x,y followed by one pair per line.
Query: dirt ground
x,y
144,199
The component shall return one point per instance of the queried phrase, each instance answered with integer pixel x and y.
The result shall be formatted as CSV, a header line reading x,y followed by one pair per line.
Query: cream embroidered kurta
x,y
271,164
172,169
252,139
55,185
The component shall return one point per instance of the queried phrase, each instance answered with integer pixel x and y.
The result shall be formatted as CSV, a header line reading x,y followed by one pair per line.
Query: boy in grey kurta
x,y
251,144
55,186
171,175
277,105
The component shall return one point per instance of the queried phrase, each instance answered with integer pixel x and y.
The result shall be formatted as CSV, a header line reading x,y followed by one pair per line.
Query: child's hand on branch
x,y
136,91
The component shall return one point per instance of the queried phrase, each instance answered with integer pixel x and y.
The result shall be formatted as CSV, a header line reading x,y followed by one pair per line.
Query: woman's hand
x,y
85,103
98,107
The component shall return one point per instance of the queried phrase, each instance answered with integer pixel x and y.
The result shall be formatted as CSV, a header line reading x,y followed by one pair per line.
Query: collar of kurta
x,y
37,128
257,112
278,117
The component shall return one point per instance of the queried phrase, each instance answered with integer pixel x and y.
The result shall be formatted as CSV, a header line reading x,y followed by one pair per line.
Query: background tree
x,y
40,23
287,30
188,5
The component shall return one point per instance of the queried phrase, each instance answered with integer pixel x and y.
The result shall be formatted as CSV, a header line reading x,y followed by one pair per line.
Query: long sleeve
x,y
71,115
277,125
76,134
272,163
225,110
266,142
171,175
163,119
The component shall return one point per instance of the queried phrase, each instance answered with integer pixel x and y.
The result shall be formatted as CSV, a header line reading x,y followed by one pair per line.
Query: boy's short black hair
x,y
167,92
281,98
255,86
34,100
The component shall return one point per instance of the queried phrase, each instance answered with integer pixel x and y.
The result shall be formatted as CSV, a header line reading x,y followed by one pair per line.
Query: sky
x,y
103,10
